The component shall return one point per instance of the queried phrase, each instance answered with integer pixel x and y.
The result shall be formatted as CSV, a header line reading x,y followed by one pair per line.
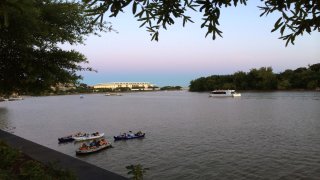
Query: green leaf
x,y
134,7
143,24
139,14
282,29
277,23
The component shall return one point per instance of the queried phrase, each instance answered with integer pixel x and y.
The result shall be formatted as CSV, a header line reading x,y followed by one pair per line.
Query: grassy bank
x,y
16,165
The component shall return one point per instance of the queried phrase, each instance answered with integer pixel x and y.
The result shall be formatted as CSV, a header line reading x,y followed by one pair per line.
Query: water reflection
x,y
5,124
268,135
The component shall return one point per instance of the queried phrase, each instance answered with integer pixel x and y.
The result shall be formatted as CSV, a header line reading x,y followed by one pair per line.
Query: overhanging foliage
x,y
31,60
296,18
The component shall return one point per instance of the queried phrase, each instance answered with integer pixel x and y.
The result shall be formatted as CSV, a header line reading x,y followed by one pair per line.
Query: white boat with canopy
x,y
86,136
224,93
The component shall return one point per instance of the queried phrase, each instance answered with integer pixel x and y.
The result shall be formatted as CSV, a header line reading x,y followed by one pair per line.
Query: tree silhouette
x,y
296,16
31,60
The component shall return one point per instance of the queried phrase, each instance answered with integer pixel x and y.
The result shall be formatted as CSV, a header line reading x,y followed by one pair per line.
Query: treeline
x,y
170,88
262,79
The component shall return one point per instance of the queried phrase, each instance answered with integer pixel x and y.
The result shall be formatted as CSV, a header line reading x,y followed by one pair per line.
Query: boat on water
x,y
224,93
88,136
66,139
70,138
94,146
130,135
3,99
15,98
113,94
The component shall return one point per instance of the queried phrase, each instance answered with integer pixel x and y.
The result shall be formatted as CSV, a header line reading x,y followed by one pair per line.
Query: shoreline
x,y
127,92
81,169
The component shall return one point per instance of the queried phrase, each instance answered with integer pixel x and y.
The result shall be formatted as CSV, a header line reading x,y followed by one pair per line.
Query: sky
x,y
183,54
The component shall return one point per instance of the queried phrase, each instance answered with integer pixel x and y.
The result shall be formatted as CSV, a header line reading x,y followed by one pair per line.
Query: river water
x,y
272,135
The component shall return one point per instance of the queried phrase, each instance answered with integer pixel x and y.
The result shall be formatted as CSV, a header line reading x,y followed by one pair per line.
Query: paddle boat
x,y
70,138
224,93
66,139
94,146
130,135
88,136
113,94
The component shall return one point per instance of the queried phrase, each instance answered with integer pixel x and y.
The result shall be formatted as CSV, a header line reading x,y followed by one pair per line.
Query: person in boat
x,y
130,134
139,133
95,134
84,146
94,144
80,134
102,142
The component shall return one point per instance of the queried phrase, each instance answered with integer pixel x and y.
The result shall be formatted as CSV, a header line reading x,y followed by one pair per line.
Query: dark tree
x,y
31,30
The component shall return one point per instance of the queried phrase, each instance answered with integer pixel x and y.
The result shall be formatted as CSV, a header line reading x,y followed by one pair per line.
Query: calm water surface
x,y
272,135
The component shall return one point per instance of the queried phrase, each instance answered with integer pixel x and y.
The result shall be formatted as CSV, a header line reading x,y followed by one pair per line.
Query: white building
x,y
133,86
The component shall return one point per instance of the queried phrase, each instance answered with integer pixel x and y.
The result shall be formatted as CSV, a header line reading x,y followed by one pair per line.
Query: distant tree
x,y
30,31
253,79
315,67
261,79
83,85
296,16
171,88
104,90
284,85
300,70
268,80
240,80
82,88
228,86
312,84
198,85
300,78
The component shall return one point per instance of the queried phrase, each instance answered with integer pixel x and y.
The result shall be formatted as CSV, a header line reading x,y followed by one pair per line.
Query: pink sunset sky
x,y
184,54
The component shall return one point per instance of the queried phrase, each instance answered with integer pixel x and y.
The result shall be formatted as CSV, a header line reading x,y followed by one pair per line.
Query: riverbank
x,y
46,156
17,165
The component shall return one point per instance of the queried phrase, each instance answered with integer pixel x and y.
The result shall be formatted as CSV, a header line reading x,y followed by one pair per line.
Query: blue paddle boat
x,y
130,135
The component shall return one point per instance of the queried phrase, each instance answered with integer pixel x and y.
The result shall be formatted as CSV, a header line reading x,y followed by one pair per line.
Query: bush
x,y
15,165
7,156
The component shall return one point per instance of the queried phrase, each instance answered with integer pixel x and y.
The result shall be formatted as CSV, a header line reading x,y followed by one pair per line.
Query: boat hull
x,y
65,139
118,138
15,99
93,150
220,95
224,93
217,95
237,95
85,138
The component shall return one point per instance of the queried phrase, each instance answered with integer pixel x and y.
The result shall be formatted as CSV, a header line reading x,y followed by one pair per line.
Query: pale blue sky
x,y
184,54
